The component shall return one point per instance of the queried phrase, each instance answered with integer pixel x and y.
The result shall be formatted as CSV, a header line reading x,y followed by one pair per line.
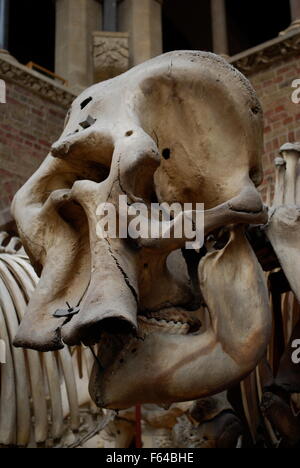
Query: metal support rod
x,y
110,10
4,11
295,9
219,27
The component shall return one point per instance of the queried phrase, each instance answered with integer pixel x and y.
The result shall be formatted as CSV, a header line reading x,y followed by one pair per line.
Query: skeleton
x,y
280,399
206,423
43,399
211,423
183,127
283,228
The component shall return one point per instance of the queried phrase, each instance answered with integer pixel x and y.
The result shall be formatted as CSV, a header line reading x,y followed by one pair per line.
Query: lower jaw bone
x,y
171,368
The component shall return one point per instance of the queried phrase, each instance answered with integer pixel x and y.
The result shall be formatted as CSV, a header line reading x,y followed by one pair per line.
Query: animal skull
x,y
183,127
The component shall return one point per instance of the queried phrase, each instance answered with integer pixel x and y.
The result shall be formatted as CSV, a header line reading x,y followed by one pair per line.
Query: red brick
x,y
25,123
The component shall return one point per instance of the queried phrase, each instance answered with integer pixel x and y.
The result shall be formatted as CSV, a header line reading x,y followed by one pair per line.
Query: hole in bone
x,y
72,133
166,153
255,110
129,133
88,122
85,102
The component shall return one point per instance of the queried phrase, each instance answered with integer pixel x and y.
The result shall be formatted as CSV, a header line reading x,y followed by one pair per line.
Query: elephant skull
x,y
170,324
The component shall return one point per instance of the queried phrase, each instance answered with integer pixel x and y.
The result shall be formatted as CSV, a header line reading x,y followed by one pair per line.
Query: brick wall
x,y
29,124
282,116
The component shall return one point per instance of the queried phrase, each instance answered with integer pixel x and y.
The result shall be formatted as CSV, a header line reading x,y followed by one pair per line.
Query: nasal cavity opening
x,y
92,334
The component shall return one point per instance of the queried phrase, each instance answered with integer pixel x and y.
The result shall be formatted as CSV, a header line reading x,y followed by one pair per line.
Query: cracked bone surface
x,y
283,229
184,127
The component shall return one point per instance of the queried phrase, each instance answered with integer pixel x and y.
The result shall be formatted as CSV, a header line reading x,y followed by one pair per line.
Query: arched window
x,y
31,34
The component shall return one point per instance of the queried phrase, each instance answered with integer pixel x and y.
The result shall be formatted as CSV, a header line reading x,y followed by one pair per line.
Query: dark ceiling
x,y
32,31
187,24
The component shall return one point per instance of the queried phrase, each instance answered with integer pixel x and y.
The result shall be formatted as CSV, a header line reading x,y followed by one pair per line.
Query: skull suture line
x,y
183,127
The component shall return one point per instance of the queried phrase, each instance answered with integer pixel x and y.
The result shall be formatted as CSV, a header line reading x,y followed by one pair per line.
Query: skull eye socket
x,y
93,171
89,170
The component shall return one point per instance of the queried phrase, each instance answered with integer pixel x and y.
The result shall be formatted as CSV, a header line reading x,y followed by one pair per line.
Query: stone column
x,y
76,20
4,10
295,16
219,27
142,19
295,9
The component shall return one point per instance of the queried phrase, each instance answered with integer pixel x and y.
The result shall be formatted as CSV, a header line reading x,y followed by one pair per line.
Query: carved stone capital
x,y
11,70
111,54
